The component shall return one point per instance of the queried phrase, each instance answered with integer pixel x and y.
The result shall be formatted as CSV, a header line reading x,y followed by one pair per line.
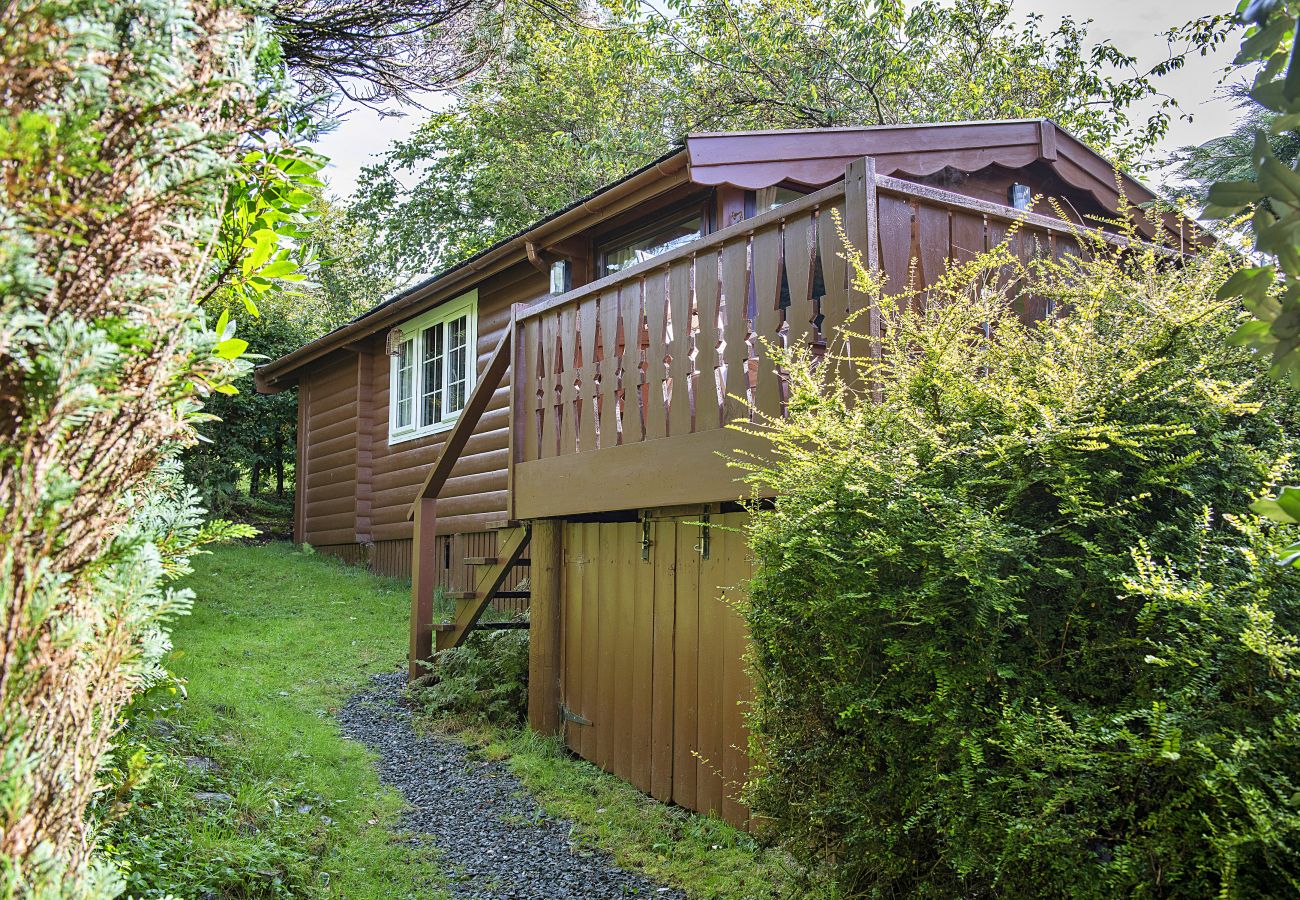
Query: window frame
x,y
414,330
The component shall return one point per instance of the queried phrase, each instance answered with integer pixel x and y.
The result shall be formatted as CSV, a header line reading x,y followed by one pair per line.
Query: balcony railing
x,y
622,389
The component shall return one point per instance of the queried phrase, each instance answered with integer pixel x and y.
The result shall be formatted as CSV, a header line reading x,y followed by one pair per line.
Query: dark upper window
x,y
631,247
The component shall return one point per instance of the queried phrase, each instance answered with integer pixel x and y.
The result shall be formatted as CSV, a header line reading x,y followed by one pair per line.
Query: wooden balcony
x,y
623,389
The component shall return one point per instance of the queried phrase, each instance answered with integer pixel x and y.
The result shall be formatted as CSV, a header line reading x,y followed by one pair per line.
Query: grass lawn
x,y
253,793
276,641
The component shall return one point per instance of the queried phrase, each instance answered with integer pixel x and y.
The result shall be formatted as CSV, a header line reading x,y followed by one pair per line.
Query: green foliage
x,y
482,682
130,196
1228,157
250,443
1269,185
568,109
188,819
1015,629
262,243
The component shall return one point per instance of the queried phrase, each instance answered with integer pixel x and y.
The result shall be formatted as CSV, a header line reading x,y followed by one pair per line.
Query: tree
x,y
566,109
1228,156
380,53
145,169
251,437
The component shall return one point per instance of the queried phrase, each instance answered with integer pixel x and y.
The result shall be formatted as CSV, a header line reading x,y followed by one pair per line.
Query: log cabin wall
x,y
359,489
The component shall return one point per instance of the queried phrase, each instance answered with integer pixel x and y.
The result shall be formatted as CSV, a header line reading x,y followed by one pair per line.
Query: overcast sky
x,y
1135,26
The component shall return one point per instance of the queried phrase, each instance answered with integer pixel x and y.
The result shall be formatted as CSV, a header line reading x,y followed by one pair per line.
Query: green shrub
x,y
1015,630
484,681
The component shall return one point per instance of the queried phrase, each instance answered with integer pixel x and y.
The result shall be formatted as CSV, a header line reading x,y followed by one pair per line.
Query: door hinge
x,y
571,716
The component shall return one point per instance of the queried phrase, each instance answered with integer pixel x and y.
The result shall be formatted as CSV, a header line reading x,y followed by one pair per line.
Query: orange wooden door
x,y
654,680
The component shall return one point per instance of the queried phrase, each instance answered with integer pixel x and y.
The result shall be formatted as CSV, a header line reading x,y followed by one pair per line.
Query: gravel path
x,y
496,840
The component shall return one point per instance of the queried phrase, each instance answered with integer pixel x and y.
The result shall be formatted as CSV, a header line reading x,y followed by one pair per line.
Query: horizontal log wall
x,y
358,489
328,492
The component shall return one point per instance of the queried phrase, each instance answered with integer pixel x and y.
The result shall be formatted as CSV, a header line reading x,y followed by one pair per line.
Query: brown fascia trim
x,y
281,373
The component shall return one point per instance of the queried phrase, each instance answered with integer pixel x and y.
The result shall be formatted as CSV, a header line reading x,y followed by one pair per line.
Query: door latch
x,y
645,538
702,547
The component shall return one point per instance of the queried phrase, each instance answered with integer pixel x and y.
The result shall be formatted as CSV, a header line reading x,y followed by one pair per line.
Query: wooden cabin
x,y
541,425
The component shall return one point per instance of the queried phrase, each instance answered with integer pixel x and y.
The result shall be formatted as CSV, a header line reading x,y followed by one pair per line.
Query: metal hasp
x,y
645,537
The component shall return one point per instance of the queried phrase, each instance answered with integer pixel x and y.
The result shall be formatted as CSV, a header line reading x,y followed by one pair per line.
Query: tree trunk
x,y
279,465
254,479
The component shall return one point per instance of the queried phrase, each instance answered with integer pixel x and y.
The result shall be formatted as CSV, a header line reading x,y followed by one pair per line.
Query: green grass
x,y
278,639
276,642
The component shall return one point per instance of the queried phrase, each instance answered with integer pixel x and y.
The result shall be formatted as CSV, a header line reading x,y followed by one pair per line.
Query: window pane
x,y
405,382
620,256
772,197
434,349
457,363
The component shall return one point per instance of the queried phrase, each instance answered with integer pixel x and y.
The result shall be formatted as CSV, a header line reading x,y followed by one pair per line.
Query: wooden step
x,y
489,561
444,626
499,524
460,595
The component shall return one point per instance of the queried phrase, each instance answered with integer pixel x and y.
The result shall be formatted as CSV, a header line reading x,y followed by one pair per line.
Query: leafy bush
x,y
1015,630
484,681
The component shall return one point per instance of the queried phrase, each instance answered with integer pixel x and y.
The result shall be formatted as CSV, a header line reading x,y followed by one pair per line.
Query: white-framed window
x,y
432,370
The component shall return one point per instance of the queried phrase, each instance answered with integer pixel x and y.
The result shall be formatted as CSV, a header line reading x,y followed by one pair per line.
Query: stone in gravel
x,y
497,842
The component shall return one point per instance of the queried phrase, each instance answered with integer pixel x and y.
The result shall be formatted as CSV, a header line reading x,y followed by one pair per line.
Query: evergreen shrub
x,y
482,682
1016,631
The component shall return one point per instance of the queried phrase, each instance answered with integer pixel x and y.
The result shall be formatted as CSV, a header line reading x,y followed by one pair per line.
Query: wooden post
x,y
424,580
547,554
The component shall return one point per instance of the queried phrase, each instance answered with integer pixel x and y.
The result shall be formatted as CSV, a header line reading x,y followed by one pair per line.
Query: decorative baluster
x,y
556,343
816,290
610,368
590,437
570,379
524,388
654,414
705,287
734,350
540,395
629,355
834,306
679,358
766,266
546,349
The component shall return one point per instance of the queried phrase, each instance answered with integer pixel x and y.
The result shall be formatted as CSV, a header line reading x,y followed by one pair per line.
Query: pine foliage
x,y
121,123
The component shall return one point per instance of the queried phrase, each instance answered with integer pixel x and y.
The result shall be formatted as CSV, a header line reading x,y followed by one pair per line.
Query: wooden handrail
x,y
459,436
710,242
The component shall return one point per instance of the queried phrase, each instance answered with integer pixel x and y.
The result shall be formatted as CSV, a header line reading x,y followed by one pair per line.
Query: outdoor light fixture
x,y
561,276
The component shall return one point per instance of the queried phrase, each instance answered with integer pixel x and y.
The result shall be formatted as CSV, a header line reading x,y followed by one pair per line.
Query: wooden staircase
x,y
492,574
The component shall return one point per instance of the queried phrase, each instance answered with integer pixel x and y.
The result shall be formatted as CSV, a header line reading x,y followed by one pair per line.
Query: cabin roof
x,y
755,159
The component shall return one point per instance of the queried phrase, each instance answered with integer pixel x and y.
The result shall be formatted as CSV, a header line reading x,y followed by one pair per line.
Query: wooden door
x,y
653,673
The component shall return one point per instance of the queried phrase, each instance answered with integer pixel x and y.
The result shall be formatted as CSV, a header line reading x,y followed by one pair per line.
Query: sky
x,y
1135,26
